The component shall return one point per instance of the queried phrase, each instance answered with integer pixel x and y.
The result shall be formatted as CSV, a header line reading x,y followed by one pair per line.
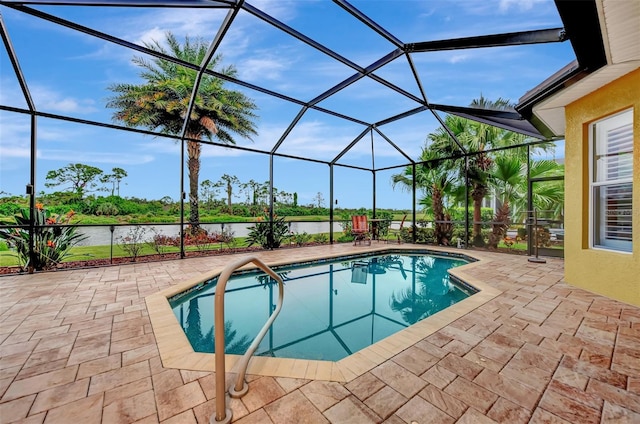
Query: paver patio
x,y
78,347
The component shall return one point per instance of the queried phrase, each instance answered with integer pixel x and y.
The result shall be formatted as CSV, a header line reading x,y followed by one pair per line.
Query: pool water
x,y
331,309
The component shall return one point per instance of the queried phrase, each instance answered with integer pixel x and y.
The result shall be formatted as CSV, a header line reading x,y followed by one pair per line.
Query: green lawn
x,y
80,253
515,246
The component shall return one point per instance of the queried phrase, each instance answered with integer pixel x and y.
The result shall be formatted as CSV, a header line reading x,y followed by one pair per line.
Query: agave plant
x,y
265,235
52,238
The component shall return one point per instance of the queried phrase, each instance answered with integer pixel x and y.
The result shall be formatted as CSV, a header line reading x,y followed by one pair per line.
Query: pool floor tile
x,y
79,346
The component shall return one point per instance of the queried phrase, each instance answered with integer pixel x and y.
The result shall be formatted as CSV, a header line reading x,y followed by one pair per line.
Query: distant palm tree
x,y
161,103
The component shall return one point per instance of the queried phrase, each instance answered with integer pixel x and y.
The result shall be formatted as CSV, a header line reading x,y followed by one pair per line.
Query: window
x,y
611,157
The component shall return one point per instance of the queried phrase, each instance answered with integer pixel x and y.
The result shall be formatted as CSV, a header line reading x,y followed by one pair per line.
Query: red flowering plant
x,y
53,238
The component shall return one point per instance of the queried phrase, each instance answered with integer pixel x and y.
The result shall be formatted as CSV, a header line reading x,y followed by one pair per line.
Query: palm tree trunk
x,y
501,224
442,230
193,164
477,218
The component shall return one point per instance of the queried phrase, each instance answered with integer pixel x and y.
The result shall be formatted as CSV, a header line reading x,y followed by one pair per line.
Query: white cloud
x,y
94,157
521,5
257,69
10,94
457,58
181,22
151,35
314,139
47,99
280,9
14,136
308,139
161,146
14,152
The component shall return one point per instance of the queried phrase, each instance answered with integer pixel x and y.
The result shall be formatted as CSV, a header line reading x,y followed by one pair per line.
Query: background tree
x,y
161,104
209,191
284,198
80,178
116,176
228,183
318,200
257,193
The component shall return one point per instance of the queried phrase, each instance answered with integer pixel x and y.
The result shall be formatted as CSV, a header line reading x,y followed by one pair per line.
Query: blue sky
x,y
68,74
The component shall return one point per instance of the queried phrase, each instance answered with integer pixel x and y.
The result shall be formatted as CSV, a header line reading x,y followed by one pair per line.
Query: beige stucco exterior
x,y
612,274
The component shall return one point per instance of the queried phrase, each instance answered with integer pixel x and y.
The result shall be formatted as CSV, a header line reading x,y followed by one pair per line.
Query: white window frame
x,y
596,129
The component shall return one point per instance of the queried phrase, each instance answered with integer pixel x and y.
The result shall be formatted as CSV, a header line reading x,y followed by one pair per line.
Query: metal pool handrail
x,y
223,415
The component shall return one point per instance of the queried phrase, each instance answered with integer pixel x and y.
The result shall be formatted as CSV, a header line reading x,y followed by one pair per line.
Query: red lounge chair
x,y
360,229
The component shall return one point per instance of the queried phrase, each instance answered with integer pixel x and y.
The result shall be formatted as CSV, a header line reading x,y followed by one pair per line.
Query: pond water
x,y
101,235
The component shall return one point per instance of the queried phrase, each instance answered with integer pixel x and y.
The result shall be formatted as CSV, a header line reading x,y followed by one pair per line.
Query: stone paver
x,y
78,347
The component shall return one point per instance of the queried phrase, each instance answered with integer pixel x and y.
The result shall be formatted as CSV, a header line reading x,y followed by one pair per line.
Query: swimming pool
x,y
331,308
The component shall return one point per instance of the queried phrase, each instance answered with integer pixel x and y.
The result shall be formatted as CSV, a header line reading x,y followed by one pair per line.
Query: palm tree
x,y
506,178
548,195
436,184
161,103
476,138
509,181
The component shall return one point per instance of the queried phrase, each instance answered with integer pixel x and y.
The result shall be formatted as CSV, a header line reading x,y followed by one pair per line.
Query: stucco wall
x,y
615,275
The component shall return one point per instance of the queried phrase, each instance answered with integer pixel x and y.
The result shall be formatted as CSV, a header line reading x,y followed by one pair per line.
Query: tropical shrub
x,y
52,238
9,208
261,233
423,233
320,238
299,239
107,208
